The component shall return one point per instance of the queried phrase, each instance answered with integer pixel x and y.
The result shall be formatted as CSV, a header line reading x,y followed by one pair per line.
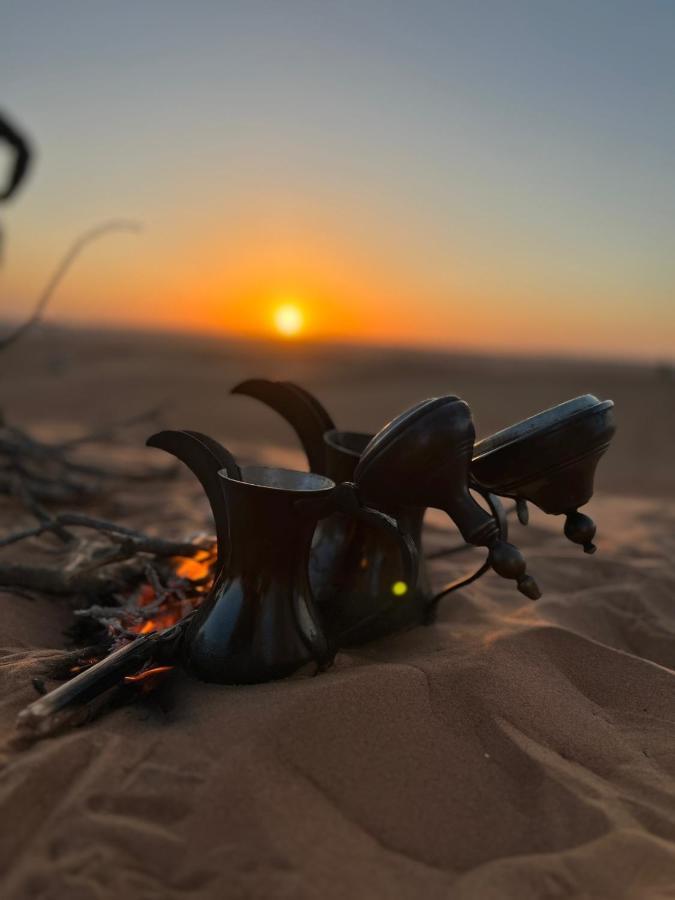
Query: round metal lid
x,y
548,418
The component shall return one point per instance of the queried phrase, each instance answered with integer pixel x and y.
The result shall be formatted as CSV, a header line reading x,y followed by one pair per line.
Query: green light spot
x,y
399,588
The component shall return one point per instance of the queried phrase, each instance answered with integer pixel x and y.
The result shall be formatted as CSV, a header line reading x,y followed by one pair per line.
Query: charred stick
x,y
60,666
105,613
93,681
157,647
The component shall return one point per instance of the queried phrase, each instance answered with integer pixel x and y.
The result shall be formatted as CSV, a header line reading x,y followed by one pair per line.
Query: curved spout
x,y
302,411
205,458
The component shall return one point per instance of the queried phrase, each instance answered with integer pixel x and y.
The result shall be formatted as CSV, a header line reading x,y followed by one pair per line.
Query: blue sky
x,y
421,158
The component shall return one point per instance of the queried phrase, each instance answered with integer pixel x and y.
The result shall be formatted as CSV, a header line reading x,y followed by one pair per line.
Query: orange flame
x,y
197,570
197,567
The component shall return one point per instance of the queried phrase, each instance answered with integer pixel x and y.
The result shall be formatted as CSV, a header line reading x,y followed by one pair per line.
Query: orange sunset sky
x,y
478,176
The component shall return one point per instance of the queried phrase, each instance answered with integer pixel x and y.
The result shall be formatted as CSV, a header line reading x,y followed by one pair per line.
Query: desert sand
x,y
511,750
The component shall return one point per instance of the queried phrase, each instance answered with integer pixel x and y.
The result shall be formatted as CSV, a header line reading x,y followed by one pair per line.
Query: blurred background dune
x,y
70,378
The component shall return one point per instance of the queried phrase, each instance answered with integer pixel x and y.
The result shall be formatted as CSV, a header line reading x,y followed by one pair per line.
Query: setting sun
x,y
288,320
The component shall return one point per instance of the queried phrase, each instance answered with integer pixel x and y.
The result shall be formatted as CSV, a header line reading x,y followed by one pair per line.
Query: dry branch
x,y
135,541
91,235
49,580
49,473
74,698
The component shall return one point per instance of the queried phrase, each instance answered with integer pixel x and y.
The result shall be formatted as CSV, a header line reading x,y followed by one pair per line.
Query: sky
x,y
483,175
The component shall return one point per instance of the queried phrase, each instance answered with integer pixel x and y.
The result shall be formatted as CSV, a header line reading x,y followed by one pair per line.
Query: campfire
x,y
153,606
166,594
123,584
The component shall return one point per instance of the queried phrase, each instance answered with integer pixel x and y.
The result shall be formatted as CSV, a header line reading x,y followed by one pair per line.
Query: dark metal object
x,y
258,622
361,588
550,459
355,568
497,511
354,571
422,458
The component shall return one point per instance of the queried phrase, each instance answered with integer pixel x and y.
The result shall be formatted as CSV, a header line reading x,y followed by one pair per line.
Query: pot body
x,y
356,571
258,622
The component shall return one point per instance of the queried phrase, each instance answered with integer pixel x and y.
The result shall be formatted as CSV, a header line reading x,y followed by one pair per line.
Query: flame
x,y
194,576
197,567
165,619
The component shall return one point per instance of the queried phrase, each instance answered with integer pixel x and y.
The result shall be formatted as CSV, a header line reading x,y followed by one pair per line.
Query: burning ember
x,y
163,607
148,678
158,603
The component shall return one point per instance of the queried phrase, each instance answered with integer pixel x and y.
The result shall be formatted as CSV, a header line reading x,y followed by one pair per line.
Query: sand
x,y
511,750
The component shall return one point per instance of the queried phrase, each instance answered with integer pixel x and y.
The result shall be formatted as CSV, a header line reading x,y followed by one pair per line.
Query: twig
x,y
58,274
156,647
49,475
37,718
40,513
140,543
107,433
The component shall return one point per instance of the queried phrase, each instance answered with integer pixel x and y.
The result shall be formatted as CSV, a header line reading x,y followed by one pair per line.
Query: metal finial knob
x,y
508,562
580,529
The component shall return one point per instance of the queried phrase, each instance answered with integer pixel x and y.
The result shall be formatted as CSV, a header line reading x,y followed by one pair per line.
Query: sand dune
x,y
512,749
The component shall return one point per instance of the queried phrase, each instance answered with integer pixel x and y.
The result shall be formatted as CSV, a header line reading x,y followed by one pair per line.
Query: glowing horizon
x,y
457,177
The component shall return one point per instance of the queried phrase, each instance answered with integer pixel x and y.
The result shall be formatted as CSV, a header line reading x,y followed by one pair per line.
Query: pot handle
x,y
497,510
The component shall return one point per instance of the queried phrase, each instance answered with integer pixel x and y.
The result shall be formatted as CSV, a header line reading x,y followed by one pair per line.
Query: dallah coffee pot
x,y
259,620
355,567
